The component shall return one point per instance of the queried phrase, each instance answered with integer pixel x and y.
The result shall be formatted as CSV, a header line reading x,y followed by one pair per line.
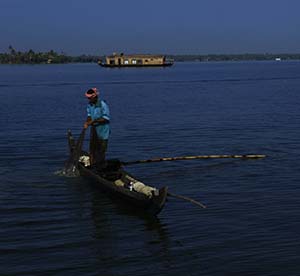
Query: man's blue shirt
x,y
97,111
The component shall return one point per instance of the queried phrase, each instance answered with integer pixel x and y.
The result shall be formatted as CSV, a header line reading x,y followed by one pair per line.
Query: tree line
x,y
235,57
30,57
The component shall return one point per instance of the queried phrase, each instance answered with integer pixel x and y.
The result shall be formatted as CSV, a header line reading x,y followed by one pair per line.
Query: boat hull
x,y
152,206
151,201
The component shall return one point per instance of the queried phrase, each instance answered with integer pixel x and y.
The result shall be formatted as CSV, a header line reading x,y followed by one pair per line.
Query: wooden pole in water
x,y
187,199
245,156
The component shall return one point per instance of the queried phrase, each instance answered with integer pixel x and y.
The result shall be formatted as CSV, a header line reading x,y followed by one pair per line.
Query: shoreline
x,y
175,61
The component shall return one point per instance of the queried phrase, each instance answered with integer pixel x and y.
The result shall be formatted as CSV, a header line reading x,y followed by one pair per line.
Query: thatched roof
x,y
135,56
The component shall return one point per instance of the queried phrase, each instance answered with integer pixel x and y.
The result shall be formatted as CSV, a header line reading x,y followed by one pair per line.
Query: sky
x,y
100,27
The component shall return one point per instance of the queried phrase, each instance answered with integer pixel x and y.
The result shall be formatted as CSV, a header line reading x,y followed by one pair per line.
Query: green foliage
x,y
31,57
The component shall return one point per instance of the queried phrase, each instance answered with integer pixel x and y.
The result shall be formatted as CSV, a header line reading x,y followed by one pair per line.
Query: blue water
x,y
52,225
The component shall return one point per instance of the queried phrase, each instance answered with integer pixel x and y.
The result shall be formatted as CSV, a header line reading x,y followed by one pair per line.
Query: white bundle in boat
x,y
138,187
142,188
85,159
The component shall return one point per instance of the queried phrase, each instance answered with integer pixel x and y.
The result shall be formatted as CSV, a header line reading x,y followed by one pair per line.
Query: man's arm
x,y
99,121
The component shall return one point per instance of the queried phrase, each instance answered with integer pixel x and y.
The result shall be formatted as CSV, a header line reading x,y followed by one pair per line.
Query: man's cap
x,y
92,93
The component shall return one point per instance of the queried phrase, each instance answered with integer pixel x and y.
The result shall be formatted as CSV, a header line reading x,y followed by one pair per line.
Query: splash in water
x,y
68,172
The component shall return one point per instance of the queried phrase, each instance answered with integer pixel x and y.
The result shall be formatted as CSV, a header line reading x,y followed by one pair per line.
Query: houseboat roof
x,y
135,56
135,60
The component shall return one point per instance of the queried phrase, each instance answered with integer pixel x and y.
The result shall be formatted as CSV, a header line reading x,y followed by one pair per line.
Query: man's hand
x,y
87,123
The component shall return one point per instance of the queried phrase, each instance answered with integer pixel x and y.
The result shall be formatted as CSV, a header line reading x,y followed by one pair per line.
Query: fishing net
x,y
71,165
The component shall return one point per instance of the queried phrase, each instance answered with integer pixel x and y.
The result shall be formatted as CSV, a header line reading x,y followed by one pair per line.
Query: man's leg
x,y
100,153
93,146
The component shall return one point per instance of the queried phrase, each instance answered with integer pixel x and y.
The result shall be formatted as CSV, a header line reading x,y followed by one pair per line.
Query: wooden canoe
x,y
115,180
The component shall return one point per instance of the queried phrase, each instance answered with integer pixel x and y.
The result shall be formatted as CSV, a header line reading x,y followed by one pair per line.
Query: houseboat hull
x,y
136,60
134,65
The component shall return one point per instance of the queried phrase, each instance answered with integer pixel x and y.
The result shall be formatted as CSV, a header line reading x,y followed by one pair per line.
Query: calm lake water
x,y
52,225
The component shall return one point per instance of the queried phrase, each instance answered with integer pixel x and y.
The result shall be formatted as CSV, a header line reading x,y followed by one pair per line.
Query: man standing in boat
x,y
98,118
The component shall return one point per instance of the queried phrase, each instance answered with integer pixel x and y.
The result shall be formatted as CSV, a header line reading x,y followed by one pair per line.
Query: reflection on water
x,y
52,225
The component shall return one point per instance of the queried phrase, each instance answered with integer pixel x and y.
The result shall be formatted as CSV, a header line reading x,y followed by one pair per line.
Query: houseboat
x,y
122,60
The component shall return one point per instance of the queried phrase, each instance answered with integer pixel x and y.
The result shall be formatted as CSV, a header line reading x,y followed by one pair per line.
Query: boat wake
x,y
68,172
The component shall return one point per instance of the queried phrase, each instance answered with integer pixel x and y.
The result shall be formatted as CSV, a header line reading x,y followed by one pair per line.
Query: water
x,y
53,225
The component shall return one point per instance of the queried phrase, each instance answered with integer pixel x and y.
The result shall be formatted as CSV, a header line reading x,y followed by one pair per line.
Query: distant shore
x,y
52,57
235,57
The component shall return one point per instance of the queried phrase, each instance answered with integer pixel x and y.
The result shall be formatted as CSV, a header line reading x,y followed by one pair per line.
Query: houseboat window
x,y
112,61
126,61
146,60
133,61
139,61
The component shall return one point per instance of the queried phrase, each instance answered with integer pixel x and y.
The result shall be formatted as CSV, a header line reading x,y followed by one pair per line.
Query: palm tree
x,y
12,50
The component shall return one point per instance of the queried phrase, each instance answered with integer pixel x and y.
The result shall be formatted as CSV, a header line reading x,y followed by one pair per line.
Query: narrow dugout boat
x,y
115,180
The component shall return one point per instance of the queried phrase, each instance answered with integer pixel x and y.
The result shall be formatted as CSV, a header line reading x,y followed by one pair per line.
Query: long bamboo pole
x,y
160,159
187,199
